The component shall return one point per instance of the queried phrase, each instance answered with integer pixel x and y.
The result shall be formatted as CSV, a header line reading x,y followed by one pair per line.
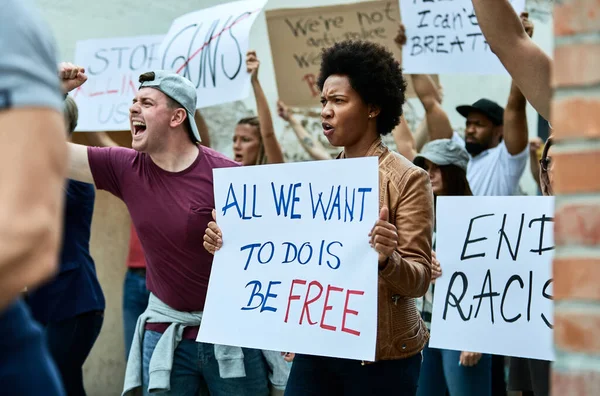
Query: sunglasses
x,y
546,161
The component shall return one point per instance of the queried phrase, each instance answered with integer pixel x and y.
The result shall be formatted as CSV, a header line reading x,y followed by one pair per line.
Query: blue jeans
x,y
26,367
317,375
195,369
441,372
135,301
70,342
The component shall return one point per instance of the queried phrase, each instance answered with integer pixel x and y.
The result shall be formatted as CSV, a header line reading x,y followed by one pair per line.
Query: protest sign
x,y
209,47
113,67
296,272
444,37
298,35
495,292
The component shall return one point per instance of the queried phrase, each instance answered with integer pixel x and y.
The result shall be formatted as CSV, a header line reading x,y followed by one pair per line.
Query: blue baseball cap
x,y
178,88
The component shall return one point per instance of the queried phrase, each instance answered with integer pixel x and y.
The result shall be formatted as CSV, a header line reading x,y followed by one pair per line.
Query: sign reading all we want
x,y
296,272
298,35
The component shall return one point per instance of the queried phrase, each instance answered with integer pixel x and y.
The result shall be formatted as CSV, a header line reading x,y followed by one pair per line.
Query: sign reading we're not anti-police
x,y
296,272
495,292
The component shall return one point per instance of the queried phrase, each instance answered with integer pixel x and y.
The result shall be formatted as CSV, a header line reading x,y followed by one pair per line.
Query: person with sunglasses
x,y
532,375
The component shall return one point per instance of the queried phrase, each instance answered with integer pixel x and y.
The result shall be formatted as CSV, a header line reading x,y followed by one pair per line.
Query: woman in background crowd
x,y
458,373
254,140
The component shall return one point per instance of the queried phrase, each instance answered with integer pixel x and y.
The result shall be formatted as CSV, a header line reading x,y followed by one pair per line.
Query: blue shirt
x,y
76,289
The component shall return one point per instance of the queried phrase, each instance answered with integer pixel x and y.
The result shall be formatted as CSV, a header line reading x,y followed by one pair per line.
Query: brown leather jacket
x,y
406,190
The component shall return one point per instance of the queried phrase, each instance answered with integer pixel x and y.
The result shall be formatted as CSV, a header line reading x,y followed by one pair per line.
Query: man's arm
x,y
421,135
515,114
32,152
405,141
79,166
438,122
32,170
527,64
515,121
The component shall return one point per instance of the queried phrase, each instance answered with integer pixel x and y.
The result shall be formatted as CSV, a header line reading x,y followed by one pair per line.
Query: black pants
x,y
70,342
315,375
498,375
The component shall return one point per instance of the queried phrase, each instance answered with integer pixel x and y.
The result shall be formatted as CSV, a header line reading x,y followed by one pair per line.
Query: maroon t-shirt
x,y
170,211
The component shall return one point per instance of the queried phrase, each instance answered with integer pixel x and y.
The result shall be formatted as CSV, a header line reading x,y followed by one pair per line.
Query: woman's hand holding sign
x,y
436,268
384,237
213,239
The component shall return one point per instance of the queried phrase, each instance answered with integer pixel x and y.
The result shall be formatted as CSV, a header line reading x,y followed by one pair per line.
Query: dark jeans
x,y
316,375
26,367
70,342
442,375
135,301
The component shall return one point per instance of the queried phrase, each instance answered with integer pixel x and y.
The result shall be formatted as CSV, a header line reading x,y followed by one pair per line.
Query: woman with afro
x,y
362,93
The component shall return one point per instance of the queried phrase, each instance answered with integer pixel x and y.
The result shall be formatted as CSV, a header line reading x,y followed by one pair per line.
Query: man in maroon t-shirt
x,y
166,182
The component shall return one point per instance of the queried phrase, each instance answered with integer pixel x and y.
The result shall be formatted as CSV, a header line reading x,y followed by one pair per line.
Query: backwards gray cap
x,y
443,152
179,89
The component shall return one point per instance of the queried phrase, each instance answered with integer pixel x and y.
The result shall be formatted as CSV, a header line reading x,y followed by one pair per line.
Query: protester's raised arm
x,y
515,121
312,146
527,64
405,141
421,135
515,115
438,122
272,148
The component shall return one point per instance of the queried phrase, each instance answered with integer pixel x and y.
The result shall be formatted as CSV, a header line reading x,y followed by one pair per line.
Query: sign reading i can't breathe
x,y
495,292
444,37
296,271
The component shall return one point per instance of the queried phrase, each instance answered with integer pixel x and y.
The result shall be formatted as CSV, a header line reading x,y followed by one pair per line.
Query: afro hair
x,y
373,73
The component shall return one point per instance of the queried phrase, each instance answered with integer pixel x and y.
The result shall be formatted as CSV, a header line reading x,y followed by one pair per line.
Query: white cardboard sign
x,y
495,292
296,272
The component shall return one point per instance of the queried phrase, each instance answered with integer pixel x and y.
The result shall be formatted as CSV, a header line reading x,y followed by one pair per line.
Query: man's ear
x,y
178,118
498,133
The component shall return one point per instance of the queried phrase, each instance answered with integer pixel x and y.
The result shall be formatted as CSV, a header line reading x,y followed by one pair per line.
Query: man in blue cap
x,y
166,181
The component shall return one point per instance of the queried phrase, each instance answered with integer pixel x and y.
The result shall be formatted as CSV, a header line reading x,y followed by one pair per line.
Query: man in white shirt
x,y
498,157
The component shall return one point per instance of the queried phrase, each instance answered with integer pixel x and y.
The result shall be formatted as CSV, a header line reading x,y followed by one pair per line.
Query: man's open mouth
x,y
138,127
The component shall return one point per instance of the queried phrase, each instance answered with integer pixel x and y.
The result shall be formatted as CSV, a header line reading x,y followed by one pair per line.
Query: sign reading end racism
x,y
298,35
296,272
495,294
